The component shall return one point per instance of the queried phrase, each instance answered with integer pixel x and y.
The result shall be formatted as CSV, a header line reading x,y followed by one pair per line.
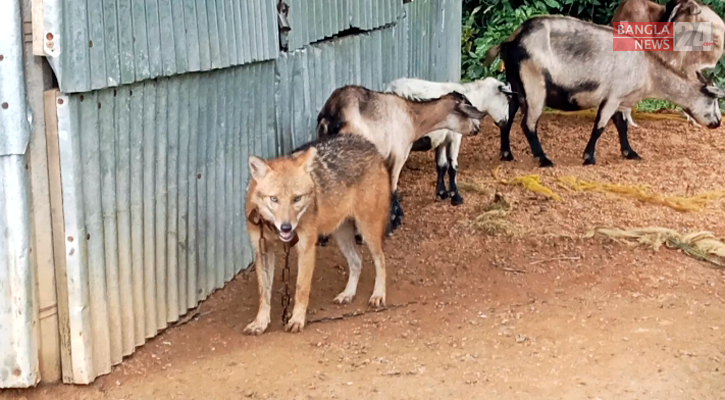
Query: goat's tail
x,y
495,51
491,55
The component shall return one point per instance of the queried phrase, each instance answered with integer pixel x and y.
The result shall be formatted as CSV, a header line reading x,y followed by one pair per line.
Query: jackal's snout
x,y
286,231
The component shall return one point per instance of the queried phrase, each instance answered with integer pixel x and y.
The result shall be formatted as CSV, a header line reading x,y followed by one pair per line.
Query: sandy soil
x,y
545,315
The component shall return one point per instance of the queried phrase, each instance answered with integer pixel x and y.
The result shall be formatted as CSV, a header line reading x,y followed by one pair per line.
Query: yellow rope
x,y
679,203
530,182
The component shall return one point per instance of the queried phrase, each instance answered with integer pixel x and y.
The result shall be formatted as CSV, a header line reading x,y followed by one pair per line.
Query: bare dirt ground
x,y
543,315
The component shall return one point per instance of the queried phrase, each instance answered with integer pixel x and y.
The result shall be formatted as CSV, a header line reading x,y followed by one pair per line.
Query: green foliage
x,y
487,23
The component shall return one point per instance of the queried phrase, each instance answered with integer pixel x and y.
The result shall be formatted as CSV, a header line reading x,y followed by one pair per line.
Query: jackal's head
x,y
284,189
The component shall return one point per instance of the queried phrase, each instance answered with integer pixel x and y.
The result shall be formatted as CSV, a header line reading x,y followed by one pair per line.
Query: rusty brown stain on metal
x,y
5,106
70,238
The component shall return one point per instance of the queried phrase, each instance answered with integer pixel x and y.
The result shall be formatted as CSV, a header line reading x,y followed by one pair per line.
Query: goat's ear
x,y
715,91
305,158
471,111
506,89
258,167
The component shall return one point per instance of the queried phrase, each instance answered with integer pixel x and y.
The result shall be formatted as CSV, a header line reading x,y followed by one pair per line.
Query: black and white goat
x,y
488,95
569,64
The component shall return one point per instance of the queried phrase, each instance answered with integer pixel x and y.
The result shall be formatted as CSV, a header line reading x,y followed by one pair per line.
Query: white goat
x,y
488,95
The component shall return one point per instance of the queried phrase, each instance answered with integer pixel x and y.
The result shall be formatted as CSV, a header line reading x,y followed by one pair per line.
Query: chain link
x,y
286,298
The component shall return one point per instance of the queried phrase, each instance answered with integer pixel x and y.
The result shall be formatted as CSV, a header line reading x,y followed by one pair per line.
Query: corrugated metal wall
x,y
423,43
18,319
314,20
150,160
154,176
95,44
307,77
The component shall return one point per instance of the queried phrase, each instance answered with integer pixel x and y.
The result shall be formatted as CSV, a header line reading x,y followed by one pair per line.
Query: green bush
x,y
487,23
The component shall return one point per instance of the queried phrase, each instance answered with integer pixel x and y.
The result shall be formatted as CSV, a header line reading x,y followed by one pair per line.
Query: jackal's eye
x,y
273,198
297,198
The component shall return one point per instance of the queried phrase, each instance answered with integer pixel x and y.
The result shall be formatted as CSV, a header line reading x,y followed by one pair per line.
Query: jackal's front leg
x,y
306,253
264,265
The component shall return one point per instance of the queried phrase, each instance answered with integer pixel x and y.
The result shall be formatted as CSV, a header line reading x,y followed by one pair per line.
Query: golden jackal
x,y
322,188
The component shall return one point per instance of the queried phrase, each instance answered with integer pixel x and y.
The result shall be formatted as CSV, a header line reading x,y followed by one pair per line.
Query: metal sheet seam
x,y
18,324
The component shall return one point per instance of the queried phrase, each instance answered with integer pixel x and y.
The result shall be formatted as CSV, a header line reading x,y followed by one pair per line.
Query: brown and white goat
x,y
688,62
393,123
569,64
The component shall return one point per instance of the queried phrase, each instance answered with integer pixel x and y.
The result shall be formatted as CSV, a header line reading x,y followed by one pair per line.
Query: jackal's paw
x,y
377,300
295,325
256,328
344,298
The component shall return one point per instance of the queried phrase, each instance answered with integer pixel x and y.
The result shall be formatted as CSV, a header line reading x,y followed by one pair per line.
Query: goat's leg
x,y
529,123
506,154
620,122
628,116
396,209
441,168
604,114
453,148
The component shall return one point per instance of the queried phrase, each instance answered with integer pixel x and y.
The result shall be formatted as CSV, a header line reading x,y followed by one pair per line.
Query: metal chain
x,y
286,298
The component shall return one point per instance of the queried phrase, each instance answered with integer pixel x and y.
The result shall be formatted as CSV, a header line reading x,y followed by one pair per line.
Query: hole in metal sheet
x,y
5,106
49,36
2,57
17,372
88,236
99,105
90,43
83,97
198,176
60,101
70,238
114,92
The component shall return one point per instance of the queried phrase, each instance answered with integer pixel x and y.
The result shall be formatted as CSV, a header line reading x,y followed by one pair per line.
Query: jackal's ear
x,y
305,158
258,167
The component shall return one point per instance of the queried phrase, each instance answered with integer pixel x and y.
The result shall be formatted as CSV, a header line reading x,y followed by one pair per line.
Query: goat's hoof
x,y
507,156
359,239
456,199
631,155
545,163
442,195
